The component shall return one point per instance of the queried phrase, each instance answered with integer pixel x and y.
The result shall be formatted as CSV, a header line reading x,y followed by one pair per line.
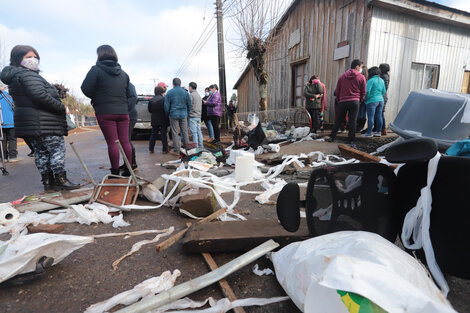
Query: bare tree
x,y
255,20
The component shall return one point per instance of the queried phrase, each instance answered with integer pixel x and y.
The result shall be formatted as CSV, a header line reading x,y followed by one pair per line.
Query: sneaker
x,y
366,135
351,144
343,131
384,132
31,154
364,131
377,134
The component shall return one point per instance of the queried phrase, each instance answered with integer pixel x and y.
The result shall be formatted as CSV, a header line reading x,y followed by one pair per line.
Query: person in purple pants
x,y
107,85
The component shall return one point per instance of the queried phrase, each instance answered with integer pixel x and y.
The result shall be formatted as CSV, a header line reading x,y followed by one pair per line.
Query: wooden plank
x,y
46,228
239,235
64,197
347,151
175,238
226,290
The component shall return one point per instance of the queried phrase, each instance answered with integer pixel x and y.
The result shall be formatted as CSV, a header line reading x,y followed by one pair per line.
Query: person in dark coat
x,y
39,115
204,116
313,93
160,121
107,85
384,70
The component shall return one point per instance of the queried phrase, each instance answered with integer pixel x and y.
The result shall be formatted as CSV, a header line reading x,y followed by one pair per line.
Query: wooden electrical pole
x,y
220,45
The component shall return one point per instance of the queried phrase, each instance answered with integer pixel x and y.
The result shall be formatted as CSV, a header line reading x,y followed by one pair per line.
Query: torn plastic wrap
x,y
20,255
313,271
148,287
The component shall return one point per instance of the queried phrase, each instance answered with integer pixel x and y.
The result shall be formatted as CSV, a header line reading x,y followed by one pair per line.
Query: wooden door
x,y
466,82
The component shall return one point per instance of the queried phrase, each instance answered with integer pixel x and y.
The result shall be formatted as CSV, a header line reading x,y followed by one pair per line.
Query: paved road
x,y
24,178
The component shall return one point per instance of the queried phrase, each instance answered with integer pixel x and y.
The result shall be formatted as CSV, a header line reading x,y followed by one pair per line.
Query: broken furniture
x,y
357,196
447,118
234,236
113,190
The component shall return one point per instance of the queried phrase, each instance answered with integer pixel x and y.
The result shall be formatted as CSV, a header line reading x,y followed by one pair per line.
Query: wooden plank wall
x,y
323,24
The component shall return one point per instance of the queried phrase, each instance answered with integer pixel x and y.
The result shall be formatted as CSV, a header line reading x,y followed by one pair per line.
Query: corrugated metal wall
x,y
400,39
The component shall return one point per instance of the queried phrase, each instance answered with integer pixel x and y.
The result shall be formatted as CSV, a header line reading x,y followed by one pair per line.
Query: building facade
x,y
427,46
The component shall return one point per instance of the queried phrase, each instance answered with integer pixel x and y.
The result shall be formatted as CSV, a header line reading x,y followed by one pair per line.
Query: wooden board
x,y
66,197
238,235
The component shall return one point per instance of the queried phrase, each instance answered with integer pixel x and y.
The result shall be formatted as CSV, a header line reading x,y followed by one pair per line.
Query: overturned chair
x,y
370,197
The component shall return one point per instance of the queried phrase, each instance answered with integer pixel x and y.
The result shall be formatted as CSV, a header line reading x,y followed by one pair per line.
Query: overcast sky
x,y
151,37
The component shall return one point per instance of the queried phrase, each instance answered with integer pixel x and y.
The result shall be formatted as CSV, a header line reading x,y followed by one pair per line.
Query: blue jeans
x,y
195,128
374,112
210,129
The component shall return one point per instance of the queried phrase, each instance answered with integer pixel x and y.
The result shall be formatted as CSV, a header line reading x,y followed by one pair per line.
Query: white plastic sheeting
x,y
148,287
83,214
364,263
20,255
266,271
220,306
417,222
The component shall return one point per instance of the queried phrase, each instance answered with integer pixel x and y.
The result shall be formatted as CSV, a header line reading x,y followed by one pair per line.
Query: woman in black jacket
x,y
39,116
107,85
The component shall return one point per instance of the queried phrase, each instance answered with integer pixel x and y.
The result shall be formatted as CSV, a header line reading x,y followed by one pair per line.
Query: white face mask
x,y
206,94
30,63
360,70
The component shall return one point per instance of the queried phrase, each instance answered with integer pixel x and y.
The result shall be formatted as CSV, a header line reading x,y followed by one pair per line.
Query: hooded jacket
x,y
107,85
351,86
214,104
38,109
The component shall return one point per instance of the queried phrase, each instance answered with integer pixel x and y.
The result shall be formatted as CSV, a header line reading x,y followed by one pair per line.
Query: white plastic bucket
x,y
244,168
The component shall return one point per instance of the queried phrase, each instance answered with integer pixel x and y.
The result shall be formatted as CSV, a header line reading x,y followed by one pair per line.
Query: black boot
x,y
115,171
62,182
48,181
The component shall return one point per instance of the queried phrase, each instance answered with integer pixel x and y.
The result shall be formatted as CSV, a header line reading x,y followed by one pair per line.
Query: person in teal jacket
x,y
9,141
374,101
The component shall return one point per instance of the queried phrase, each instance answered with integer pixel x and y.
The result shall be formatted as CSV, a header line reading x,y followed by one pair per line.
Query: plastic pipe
x,y
175,293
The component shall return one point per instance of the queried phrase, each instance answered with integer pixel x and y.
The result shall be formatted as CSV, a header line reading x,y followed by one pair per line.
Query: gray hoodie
x,y
197,104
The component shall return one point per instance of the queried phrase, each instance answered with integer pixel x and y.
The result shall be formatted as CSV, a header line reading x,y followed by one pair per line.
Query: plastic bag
x,y
21,254
313,271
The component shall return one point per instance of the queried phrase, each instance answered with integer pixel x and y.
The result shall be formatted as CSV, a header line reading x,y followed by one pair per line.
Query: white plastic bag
x,y
21,254
364,263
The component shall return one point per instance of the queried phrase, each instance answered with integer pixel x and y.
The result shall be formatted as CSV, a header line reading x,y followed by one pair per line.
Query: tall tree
x,y
255,20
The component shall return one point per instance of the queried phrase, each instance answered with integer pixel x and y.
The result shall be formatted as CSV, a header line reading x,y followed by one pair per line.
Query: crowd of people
x,y
33,110
360,95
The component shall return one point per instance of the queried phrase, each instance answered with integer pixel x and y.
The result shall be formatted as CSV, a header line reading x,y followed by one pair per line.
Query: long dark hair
x,y
18,52
310,81
106,52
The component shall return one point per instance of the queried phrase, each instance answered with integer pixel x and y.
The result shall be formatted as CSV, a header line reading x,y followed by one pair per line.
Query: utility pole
x,y
220,45
154,81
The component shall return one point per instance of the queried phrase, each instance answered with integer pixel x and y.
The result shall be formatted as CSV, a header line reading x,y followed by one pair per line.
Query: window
x,y
424,76
299,77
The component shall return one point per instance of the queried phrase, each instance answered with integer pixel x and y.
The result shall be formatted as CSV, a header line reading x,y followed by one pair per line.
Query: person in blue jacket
x,y
177,107
374,101
9,141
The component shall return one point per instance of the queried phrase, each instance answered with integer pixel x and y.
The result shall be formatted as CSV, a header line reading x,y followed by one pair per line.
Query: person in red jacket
x,y
350,91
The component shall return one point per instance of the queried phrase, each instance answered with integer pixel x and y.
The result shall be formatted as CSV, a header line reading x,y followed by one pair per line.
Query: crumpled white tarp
x,y
20,255
146,288
83,214
364,263
220,306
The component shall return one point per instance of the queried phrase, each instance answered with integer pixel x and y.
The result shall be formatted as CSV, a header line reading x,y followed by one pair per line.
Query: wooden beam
x,y
226,290
65,197
347,151
46,228
237,236
175,238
